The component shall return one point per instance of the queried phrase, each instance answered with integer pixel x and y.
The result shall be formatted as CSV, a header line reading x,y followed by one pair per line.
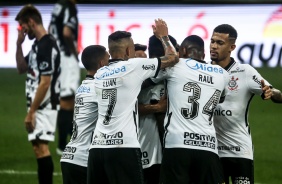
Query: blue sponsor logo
x,y
83,89
202,66
110,72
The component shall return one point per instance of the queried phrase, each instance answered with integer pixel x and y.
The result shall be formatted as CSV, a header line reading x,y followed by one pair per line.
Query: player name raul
x,y
206,79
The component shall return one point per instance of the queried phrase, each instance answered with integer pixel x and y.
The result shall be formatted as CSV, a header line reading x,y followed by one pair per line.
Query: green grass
x,y
16,152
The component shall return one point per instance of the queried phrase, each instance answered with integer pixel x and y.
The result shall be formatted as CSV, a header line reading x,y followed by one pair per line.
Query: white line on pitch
x,y
24,172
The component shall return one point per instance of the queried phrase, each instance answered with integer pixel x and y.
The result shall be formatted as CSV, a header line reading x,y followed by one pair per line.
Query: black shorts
x,y
152,174
241,170
73,174
184,166
115,166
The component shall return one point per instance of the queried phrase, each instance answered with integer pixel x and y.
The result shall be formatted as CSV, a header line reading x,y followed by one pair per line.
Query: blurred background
x,y
259,43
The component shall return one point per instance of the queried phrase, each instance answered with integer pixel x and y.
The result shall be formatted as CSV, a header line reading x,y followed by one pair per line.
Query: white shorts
x,y
45,125
70,75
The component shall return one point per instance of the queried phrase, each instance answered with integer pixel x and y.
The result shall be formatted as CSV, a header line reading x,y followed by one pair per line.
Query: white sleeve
x,y
253,79
145,68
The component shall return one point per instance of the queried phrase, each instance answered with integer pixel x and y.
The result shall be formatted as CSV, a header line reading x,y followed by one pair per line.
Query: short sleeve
x,y
70,19
254,80
145,68
45,57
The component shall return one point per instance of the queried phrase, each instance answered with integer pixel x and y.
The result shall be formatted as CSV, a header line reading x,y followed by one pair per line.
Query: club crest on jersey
x,y
232,84
43,65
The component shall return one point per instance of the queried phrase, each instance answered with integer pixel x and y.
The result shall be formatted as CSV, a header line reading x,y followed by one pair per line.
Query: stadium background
x,y
17,163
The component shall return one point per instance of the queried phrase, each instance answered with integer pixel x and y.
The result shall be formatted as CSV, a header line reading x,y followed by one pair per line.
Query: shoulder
x,y
47,40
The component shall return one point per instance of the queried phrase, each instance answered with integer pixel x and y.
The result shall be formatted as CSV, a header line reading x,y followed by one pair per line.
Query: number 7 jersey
x,y
117,88
194,90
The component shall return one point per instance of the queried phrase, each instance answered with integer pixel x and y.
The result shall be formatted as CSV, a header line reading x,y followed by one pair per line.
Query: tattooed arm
x,y
161,32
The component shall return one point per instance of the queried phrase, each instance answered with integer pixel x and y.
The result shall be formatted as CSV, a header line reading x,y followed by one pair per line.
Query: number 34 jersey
x,y
117,88
194,90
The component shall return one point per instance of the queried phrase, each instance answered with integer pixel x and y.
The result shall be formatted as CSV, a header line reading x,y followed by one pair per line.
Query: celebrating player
x,y
115,155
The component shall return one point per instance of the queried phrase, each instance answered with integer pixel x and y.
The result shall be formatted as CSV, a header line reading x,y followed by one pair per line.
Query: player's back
x,y
194,90
84,122
117,88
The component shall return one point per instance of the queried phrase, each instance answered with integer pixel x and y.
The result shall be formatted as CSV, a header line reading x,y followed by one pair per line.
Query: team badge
x,y
232,85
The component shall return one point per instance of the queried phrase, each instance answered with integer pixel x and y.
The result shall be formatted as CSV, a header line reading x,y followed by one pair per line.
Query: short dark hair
x,y
92,55
27,12
226,29
156,47
194,39
138,46
118,35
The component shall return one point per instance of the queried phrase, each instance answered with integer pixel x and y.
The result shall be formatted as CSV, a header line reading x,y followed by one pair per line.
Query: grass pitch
x,y
16,152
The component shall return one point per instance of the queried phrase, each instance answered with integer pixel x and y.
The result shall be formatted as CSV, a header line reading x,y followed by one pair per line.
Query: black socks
x,y
64,120
45,168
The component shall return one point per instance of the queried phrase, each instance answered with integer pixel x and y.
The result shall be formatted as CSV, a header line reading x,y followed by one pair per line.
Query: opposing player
x,y
64,27
75,155
194,89
140,50
231,117
115,155
42,87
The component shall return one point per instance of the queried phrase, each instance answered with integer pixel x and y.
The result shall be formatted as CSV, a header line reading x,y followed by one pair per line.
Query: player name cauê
x,y
206,79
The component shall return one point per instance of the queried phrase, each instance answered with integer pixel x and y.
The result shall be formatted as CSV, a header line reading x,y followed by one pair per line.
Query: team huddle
x,y
169,118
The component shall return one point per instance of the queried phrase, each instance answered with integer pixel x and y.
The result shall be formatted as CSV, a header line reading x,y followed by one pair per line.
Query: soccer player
x,y
140,50
115,155
64,27
194,89
231,117
152,107
75,155
42,87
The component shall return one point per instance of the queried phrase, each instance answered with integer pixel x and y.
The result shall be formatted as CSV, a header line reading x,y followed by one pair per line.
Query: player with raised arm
x,y
75,156
42,87
152,107
235,145
115,155
194,89
64,27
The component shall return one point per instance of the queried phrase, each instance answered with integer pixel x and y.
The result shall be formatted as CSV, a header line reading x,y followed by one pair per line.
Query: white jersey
x,y
194,90
231,116
84,122
148,130
117,88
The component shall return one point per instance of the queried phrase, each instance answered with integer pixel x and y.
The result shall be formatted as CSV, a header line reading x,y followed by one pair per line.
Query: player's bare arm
x,y
161,32
68,38
39,96
159,107
276,96
21,63
267,92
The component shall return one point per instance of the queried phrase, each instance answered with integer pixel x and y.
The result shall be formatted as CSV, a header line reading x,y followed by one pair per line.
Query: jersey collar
x,y
231,64
89,77
112,61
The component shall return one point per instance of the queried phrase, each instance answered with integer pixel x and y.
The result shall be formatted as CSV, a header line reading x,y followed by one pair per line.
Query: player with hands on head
x,y
42,87
115,155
